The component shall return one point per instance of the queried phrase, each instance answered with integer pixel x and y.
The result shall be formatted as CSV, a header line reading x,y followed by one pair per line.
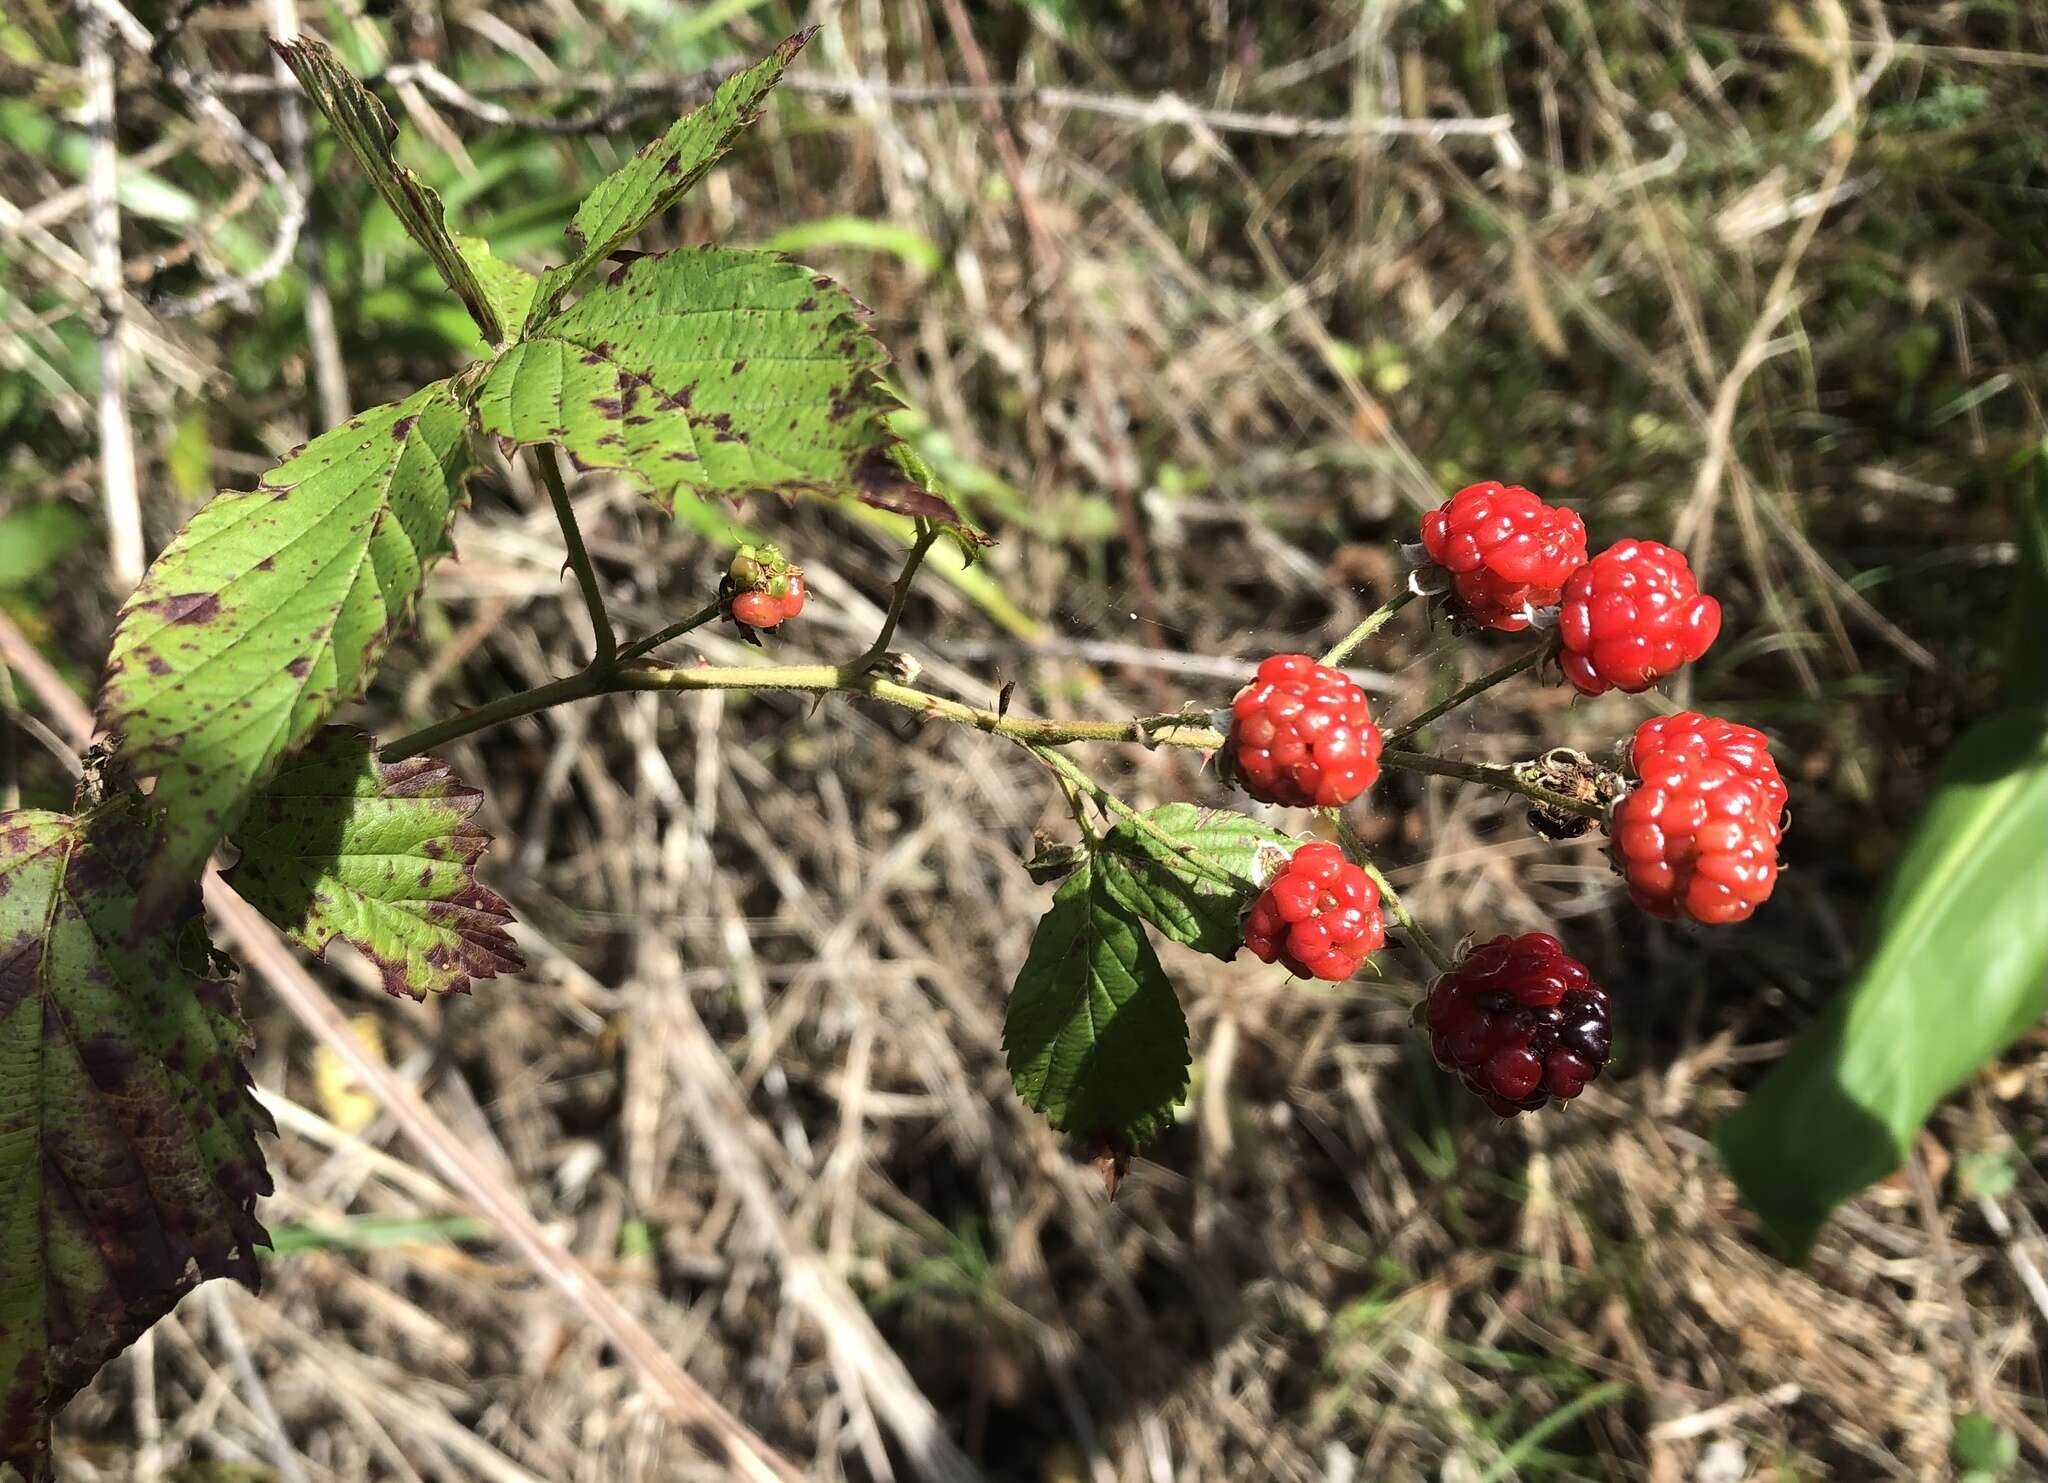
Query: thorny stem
x,y
1370,624
1166,731
675,630
1507,776
1170,731
1065,770
927,532
607,645
1389,897
1464,693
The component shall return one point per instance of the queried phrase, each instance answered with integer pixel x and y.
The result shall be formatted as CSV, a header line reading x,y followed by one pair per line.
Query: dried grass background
x,y
1761,279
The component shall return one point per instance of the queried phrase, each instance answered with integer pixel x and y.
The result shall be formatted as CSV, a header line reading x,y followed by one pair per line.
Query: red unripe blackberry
x,y
1320,917
1506,551
1692,735
1300,735
1698,836
1521,1022
1631,616
758,609
766,589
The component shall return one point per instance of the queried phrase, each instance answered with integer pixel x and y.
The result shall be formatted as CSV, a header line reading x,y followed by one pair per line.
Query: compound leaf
x,y
129,1167
660,175
380,854
370,134
1192,872
1094,1033
710,370
1958,968
274,606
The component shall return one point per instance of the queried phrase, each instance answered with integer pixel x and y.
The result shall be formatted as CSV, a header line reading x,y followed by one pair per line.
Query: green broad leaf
x,y
35,538
710,370
660,175
274,606
368,131
1957,970
129,1166
1980,1445
509,289
1094,1032
1192,872
382,855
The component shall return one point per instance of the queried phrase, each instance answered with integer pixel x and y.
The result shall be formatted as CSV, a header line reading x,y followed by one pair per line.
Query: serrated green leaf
x,y
660,175
1197,901
129,1167
380,854
1958,968
368,131
710,370
510,289
274,606
1094,1032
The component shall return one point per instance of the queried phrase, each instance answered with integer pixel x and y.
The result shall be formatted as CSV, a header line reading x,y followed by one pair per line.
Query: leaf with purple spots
x,y
711,370
660,175
274,606
129,1166
382,855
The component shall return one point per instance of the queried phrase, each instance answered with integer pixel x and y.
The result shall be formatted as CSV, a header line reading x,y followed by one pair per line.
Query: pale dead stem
x,y
291,202
622,100
125,555
330,375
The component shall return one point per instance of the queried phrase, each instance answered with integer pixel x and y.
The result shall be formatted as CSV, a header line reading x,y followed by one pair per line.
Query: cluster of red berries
x,y
1695,835
1518,1019
1625,618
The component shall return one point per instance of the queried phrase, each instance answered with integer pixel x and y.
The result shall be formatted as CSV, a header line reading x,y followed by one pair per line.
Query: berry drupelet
x,y
1301,735
1320,917
1521,1022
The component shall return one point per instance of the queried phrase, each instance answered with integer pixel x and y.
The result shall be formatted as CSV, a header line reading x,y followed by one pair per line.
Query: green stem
x,y
675,630
1505,776
1169,731
1369,625
1390,899
1151,731
496,713
607,646
1464,693
1068,772
926,534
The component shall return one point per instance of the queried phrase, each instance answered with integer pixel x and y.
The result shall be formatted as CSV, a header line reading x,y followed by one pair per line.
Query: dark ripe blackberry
x,y
1521,1022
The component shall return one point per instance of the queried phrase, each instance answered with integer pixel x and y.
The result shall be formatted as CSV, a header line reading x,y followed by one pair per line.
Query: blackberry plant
x,y
130,1159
